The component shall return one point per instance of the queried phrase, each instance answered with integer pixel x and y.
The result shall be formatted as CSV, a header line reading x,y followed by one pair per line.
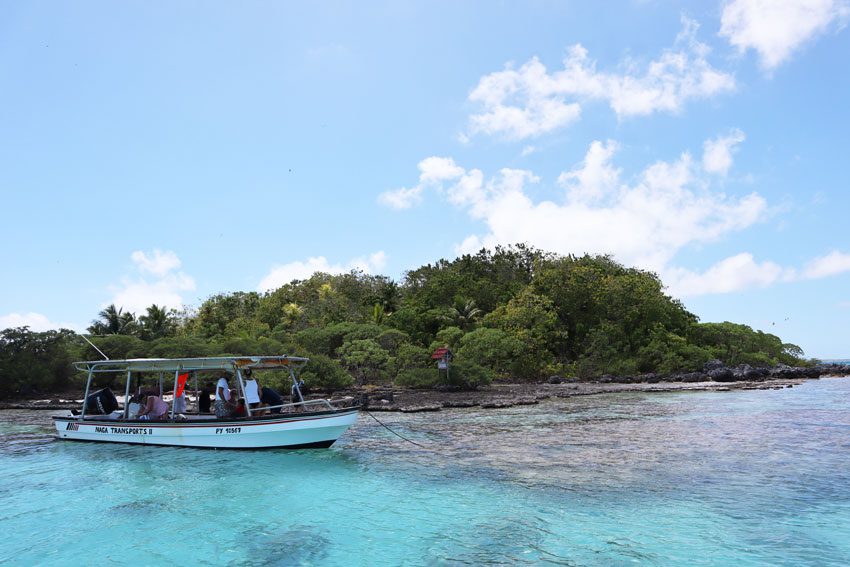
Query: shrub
x,y
365,359
469,376
408,357
363,331
419,378
247,346
182,346
501,352
327,340
119,346
449,336
392,339
462,375
324,373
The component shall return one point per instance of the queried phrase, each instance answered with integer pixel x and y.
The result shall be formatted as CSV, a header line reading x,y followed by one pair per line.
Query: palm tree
x,y
389,296
292,313
113,321
158,322
464,314
379,313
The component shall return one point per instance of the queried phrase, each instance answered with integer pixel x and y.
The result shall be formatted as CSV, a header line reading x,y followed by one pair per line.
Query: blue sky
x,y
164,152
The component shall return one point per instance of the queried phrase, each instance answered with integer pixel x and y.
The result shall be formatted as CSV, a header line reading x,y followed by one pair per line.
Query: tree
x,y
449,337
114,321
531,318
34,362
464,315
158,322
487,278
365,359
378,314
494,349
217,312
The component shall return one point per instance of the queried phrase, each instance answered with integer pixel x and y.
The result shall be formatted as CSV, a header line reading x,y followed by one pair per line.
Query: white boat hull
x,y
293,431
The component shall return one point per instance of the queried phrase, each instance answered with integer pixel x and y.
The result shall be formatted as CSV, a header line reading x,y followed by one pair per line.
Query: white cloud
x,y
775,28
433,171
437,169
735,273
668,207
645,223
374,263
530,101
156,281
402,198
35,321
742,272
302,270
596,179
833,263
157,263
717,153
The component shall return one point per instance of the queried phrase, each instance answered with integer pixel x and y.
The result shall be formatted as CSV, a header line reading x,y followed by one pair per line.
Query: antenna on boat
x,y
94,347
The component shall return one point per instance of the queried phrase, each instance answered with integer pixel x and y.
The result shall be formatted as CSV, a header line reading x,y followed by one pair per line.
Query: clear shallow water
x,y
726,478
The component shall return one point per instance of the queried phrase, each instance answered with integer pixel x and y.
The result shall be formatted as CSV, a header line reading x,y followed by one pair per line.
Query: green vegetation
x,y
513,313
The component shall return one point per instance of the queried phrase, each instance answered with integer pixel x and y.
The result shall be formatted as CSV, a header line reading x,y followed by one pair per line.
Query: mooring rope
x,y
391,431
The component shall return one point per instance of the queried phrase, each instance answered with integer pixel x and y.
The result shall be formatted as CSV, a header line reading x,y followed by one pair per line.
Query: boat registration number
x,y
220,430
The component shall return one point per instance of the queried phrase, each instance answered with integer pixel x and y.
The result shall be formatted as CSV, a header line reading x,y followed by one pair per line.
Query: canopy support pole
x,y
295,384
86,395
174,393
127,395
242,389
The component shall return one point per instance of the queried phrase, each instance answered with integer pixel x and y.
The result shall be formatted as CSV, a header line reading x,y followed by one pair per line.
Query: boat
x,y
301,424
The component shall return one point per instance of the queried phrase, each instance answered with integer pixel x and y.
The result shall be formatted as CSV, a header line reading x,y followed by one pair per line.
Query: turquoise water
x,y
725,478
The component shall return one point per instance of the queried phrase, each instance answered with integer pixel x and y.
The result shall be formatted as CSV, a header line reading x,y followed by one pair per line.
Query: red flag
x,y
181,383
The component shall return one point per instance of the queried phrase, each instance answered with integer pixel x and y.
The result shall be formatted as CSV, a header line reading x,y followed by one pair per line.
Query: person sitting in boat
x,y
271,398
223,406
204,402
240,410
154,408
135,406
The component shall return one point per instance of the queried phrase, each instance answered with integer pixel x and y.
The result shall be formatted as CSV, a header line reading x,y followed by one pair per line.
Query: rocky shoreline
x,y
715,377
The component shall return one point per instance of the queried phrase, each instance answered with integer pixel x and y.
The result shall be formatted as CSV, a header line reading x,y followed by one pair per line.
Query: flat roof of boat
x,y
199,363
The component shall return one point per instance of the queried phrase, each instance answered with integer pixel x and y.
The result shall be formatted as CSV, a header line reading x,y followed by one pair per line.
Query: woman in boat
x,y
154,408
252,390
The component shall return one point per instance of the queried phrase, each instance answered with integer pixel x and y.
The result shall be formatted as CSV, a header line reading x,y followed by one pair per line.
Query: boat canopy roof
x,y
230,363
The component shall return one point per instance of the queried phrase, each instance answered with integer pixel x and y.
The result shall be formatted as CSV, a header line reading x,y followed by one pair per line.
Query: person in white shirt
x,y
252,391
223,405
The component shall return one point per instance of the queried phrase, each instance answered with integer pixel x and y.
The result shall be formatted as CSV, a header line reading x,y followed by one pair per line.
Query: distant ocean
x,y
836,361
740,478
